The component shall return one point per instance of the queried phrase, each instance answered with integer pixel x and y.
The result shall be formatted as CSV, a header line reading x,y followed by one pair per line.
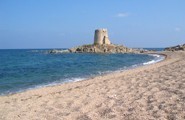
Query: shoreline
x,y
53,84
154,91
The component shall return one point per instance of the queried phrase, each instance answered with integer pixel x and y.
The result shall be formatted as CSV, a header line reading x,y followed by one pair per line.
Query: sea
x,y
25,69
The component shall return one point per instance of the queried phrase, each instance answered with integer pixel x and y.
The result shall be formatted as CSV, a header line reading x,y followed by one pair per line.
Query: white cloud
x,y
177,29
122,14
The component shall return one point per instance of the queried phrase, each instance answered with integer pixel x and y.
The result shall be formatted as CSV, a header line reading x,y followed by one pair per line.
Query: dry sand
x,y
155,91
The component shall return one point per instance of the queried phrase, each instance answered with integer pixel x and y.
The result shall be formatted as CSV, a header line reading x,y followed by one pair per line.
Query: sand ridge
x,y
154,91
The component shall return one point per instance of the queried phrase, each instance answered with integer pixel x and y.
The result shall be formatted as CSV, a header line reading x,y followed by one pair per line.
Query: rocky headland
x,y
176,48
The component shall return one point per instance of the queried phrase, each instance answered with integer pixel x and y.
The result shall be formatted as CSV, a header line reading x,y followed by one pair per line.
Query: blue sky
x,y
68,23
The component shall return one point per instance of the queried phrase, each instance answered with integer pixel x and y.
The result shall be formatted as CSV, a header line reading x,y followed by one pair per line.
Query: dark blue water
x,y
155,49
26,69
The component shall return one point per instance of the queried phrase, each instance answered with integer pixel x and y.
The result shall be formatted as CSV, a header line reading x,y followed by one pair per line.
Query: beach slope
x,y
155,91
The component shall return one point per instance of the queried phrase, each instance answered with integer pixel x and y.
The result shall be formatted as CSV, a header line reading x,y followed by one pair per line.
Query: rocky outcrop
x,y
103,49
101,44
99,49
176,48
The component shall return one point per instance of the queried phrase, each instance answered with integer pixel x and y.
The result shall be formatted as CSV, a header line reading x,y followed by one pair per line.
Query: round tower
x,y
98,37
101,37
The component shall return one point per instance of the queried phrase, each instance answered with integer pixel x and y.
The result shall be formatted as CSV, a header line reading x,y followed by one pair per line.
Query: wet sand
x,y
155,91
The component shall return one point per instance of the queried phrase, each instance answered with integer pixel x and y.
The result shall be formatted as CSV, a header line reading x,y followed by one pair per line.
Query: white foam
x,y
155,55
73,80
62,81
149,62
157,58
133,66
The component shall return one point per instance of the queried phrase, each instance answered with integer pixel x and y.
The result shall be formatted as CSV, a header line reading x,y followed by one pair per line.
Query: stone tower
x,y
101,37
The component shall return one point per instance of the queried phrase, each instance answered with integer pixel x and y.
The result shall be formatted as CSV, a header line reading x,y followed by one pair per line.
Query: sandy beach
x,y
155,91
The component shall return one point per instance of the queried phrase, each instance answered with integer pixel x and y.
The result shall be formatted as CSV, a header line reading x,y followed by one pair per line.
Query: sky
x,y
69,23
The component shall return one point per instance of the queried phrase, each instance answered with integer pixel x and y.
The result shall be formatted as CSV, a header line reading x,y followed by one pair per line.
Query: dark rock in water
x,y
176,48
111,48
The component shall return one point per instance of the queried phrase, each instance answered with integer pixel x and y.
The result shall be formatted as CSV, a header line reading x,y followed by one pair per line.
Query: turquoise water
x,y
27,69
